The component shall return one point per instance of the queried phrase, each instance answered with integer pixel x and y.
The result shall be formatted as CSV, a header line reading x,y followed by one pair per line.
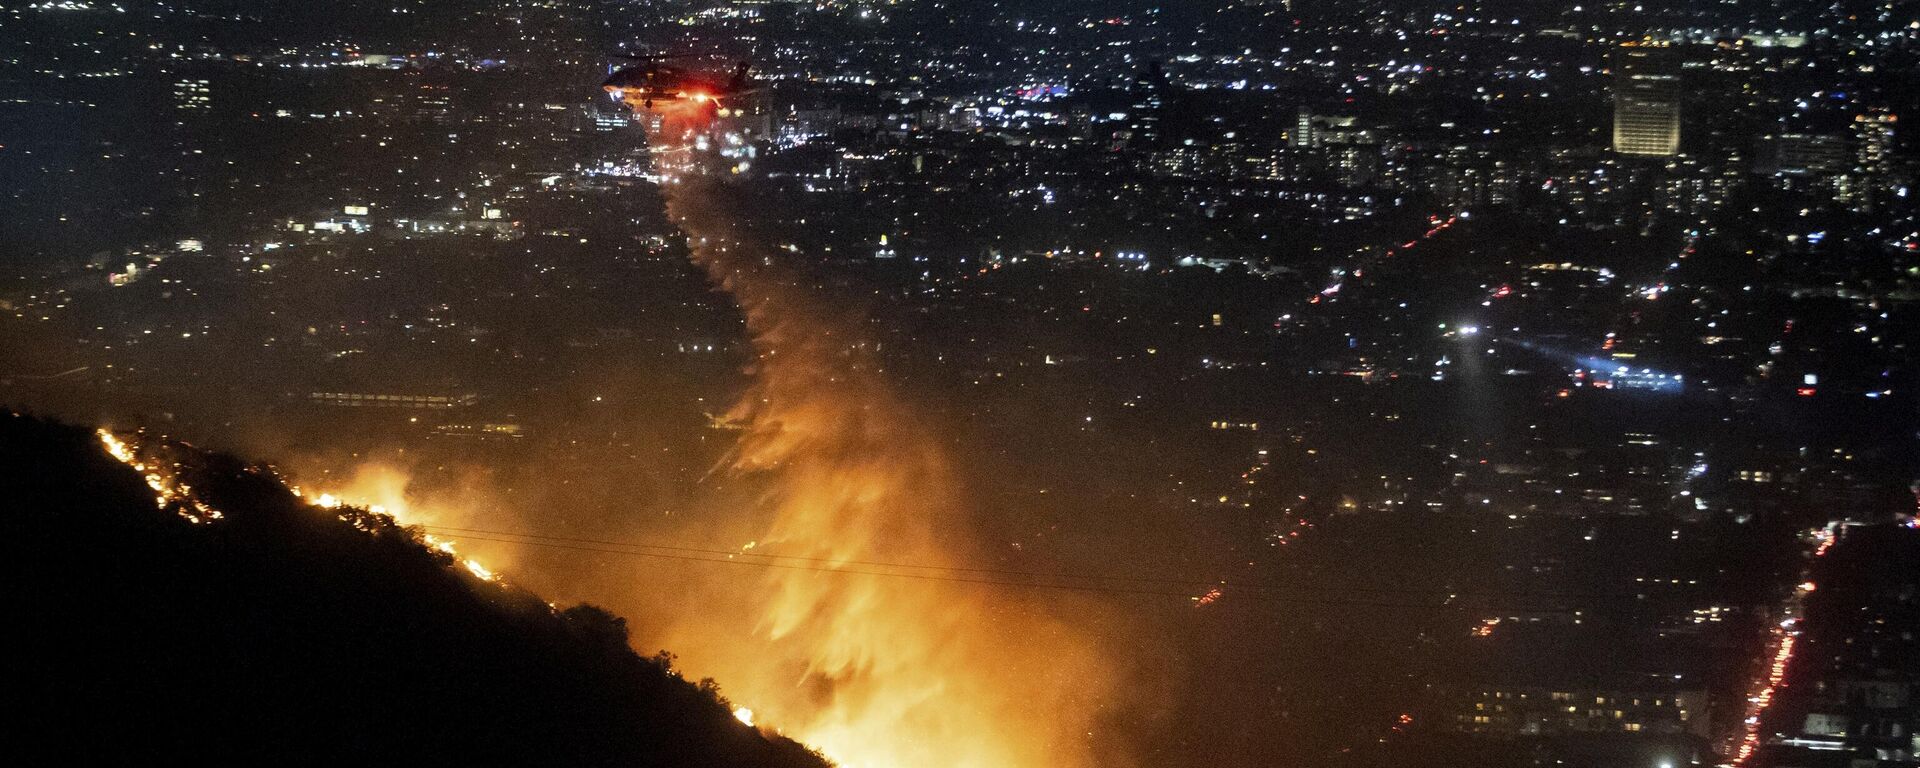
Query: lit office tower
x,y
1646,102
1874,141
1149,106
192,94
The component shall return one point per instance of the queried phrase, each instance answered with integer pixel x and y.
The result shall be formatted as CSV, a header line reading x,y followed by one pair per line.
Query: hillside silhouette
x,y
283,633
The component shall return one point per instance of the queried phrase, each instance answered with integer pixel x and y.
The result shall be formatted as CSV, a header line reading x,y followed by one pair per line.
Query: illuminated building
x,y
609,116
1875,162
1802,154
1874,134
1149,101
1646,102
192,94
1311,130
366,400
1535,711
485,431
1622,377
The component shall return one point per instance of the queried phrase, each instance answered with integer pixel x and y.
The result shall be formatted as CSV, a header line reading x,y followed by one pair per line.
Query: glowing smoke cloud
x,y
876,672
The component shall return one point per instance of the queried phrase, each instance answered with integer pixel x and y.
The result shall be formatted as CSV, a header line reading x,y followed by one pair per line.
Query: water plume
x,y
877,672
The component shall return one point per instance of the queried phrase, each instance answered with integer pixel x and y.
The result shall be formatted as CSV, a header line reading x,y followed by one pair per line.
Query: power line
x,y
936,577
1180,581
947,573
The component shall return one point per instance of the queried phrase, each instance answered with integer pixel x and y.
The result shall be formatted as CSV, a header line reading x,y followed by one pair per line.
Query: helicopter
x,y
652,80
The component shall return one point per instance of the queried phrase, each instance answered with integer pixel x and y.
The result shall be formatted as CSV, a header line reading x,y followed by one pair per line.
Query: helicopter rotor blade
x,y
651,56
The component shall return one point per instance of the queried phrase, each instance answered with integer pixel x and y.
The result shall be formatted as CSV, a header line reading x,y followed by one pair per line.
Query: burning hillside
x,y
174,603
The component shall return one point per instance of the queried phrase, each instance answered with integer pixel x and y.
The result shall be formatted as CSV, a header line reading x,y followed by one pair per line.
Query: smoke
x,y
913,671
874,671
399,488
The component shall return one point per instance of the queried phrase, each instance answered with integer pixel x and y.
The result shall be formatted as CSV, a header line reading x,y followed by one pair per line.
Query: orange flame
x,y
873,671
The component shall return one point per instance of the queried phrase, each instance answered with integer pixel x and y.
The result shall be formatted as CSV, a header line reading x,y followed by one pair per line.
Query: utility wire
x,y
947,573
936,577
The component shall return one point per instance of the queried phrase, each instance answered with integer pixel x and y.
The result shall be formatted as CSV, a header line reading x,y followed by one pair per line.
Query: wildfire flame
x,y
874,672
871,671
170,493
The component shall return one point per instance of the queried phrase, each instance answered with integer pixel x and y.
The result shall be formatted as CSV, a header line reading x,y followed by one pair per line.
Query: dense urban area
x,y
1361,383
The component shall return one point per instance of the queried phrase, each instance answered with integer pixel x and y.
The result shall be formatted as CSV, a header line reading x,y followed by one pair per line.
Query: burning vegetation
x,y
872,671
240,622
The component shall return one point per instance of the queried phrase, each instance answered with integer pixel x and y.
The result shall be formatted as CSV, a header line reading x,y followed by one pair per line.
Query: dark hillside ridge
x,y
281,633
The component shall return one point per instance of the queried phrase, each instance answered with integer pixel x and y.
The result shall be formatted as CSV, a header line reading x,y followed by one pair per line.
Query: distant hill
x,y
281,633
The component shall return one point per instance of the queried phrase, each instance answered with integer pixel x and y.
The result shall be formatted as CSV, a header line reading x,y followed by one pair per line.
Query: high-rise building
x,y
1876,171
1801,154
1316,131
1149,107
1302,129
1646,101
192,93
1873,148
